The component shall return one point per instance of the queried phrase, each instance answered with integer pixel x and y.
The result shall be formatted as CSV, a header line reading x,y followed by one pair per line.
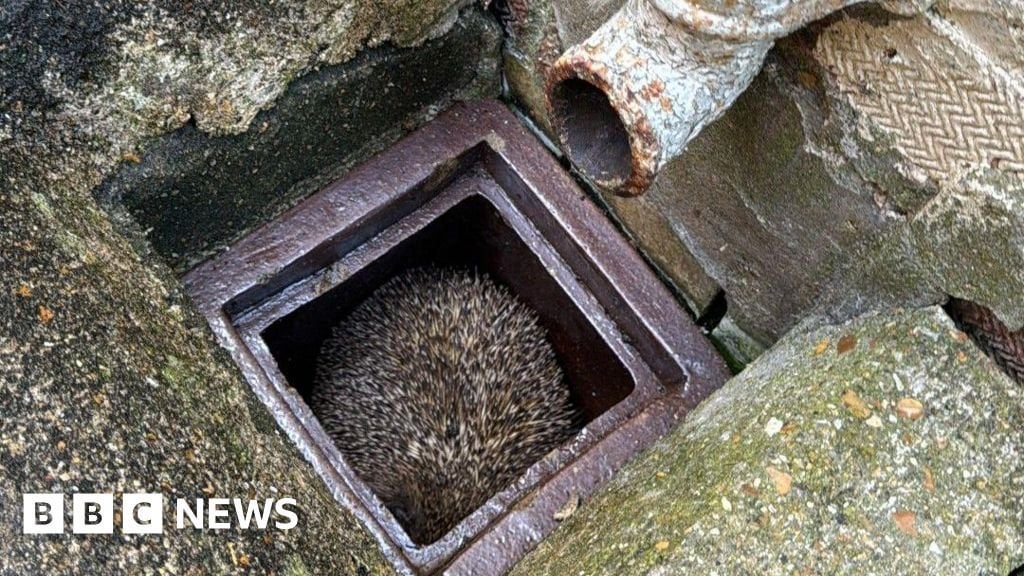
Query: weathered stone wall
x,y
129,68
127,75
109,382
838,150
194,193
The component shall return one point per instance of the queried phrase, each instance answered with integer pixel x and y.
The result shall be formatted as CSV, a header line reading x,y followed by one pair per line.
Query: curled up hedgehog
x,y
440,389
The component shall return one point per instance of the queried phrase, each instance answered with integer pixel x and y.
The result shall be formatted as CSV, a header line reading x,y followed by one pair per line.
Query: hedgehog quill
x,y
440,389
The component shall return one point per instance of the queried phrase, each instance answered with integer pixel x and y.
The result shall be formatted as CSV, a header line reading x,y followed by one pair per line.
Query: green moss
x,y
294,566
967,242
843,469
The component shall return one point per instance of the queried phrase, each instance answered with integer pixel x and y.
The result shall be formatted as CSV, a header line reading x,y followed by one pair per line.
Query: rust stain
x,y
652,90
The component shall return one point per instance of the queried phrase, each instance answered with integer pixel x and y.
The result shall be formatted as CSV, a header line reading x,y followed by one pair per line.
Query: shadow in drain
x,y
472,236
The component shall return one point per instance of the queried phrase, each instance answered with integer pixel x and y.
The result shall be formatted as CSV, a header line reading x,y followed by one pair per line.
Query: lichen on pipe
x,y
628,99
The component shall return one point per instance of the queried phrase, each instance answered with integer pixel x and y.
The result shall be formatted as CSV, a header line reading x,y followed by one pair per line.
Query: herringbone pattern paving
x,y
943,110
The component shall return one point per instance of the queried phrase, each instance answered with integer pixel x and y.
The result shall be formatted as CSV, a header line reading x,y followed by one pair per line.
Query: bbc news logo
x,y
143,513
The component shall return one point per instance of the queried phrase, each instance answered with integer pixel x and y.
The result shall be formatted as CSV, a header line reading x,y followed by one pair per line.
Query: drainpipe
x,y
627,100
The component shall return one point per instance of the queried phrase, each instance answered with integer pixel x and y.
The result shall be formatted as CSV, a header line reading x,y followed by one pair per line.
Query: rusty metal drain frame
x,y
472,150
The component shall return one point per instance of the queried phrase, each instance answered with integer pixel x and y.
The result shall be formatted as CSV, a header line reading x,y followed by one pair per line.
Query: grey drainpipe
x,y
628,99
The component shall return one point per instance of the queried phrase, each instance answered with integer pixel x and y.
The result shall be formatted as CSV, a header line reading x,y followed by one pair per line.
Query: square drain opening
x,y
470,236
471,190
473,236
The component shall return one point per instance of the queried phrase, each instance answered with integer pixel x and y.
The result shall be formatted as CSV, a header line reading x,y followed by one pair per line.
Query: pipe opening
x,y
594,137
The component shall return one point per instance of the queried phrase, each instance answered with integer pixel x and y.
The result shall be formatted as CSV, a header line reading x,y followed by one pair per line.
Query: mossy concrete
x,y
967,242
109,382
886,445
735,344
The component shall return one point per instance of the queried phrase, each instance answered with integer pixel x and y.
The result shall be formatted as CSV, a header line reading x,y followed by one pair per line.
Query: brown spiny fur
x,y
439,390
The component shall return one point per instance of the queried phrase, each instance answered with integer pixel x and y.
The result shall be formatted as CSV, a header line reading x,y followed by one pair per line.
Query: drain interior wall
x,y
471,235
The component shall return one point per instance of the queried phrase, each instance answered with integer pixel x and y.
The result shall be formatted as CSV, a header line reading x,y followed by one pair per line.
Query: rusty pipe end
x,y
617,152
628,99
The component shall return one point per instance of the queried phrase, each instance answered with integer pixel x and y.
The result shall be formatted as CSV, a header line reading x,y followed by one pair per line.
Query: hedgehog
x,y
440,389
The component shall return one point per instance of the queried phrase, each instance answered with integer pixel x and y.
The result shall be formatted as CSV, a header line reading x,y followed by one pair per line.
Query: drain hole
x,y
592,132
991,335
472,236
715,311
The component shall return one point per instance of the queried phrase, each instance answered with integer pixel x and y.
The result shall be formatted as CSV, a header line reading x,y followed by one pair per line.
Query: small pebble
x,y
845,344
906,521
568,509
783,481
855,405
909,408
45,314
820,347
